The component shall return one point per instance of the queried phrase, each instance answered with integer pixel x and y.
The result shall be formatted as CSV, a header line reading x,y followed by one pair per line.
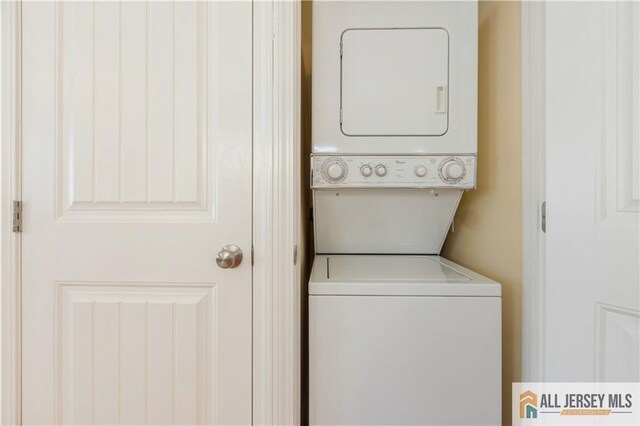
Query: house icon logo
x,y
528,405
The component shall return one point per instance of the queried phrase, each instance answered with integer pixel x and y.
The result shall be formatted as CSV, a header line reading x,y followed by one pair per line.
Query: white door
x,y
136,172
593,191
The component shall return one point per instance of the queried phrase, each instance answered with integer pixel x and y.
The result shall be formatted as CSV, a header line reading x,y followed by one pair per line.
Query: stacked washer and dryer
x,y
397,334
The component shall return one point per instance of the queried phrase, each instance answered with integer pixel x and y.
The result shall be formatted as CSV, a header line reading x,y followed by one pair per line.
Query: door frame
x,y
276,213
10,179
533,190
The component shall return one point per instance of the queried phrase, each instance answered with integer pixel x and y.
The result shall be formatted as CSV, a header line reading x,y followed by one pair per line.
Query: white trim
x,y
533,190
276,207
10,242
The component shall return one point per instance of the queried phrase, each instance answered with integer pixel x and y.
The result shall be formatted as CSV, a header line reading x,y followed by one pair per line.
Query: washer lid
x,y
380,275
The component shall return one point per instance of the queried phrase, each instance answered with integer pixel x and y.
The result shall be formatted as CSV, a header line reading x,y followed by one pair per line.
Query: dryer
x,y
394,77
394,105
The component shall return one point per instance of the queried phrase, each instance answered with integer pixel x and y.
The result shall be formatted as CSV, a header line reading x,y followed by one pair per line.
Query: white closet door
x,y
593,195
136,122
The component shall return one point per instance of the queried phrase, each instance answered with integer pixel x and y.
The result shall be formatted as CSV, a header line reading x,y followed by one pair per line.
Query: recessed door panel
x,y
144,351
133,105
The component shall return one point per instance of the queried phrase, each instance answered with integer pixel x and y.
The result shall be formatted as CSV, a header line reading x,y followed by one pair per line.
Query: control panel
x,y
417,171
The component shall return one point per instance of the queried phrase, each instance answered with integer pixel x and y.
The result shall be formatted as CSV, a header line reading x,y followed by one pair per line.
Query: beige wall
x,y
488,227
306,250
487,235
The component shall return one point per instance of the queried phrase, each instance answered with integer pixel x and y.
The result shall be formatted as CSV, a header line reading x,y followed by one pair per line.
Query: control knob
x,y
381,170
420,170
452,170
334,170
366,170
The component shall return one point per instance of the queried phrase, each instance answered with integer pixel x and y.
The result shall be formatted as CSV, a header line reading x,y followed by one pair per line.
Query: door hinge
x,y
295,255
16,221
341,48
251,254
543,216
341,116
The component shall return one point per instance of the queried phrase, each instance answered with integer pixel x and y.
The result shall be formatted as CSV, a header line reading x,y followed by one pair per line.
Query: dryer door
x,y
394,82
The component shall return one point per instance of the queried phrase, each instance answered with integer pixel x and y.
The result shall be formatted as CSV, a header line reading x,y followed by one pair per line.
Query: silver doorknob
x,y
229,257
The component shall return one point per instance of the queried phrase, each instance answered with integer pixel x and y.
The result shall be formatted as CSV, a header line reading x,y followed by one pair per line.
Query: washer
x,y
402,340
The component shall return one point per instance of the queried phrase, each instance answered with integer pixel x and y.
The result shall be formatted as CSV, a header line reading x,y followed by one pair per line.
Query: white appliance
x,y
396,77
397,334
402,340
387,204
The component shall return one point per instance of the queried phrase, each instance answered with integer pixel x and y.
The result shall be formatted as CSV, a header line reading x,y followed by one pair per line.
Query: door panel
x,y
593,203
133,112
132,340
136,171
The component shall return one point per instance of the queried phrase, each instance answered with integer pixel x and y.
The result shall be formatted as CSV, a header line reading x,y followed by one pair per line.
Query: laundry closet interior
x,y
390,147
